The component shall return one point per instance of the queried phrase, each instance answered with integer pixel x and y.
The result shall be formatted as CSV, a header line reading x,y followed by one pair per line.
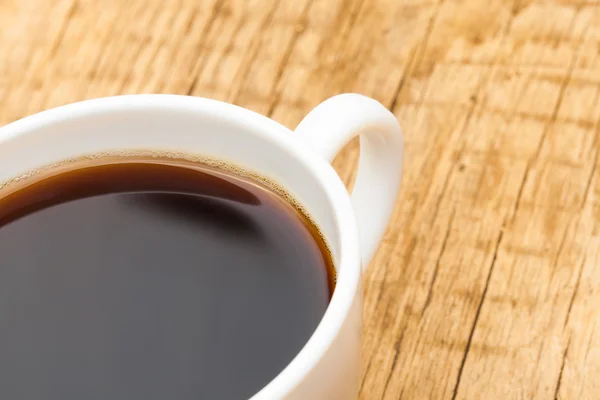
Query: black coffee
x,y
152,279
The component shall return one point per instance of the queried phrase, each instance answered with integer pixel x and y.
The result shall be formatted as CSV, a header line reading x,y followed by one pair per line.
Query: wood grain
x,y
487,284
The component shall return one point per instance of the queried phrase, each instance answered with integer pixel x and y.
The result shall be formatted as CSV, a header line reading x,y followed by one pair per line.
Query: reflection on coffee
x,y
151,278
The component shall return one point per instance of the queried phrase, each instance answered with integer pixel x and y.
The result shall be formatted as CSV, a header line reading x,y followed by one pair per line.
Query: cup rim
x,y
348,264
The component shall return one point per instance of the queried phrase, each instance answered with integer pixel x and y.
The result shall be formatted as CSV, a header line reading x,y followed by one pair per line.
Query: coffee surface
x,y
150,280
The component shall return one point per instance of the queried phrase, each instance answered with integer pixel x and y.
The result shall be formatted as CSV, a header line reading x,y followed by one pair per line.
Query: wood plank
x,y
487,282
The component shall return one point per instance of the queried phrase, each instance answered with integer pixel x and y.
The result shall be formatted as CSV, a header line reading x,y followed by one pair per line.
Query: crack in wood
x,y
417,55
479,307
397,348
199,66
285,61
563,86
575,291
407,259
437,265
562,367
589,344
254,50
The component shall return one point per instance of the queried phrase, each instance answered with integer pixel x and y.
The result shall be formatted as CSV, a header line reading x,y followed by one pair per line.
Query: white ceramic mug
x,y
328,366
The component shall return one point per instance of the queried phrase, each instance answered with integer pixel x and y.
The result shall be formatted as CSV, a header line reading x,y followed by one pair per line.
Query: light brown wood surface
x,y
487,285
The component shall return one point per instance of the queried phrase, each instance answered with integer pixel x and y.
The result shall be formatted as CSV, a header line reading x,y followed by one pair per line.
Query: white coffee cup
x,y
328,366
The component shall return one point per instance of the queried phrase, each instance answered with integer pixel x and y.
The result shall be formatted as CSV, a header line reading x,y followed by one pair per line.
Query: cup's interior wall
x,y
248,141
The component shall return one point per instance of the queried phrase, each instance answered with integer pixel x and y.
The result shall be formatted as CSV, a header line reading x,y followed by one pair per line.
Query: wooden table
x,y
487,285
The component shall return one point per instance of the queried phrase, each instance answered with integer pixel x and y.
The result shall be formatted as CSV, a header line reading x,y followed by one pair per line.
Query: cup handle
x,y
330,126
